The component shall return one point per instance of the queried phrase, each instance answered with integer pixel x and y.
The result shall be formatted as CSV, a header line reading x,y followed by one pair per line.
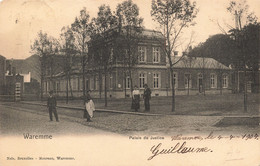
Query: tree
x,y
128,14
69,49
173,16
240,12
188,62
252,50
102,29
52,64
41,47
130,29
81,30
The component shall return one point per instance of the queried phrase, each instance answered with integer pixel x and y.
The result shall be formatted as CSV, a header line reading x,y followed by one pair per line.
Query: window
x,y
92,83
187,80
87,84
175,79
156,54
57,86
225,81
126,54
48,86
80,84
61,85
142,80
96,87
156,80
200,80
213,81
142,53
74,84
111,55
128,83
45,87
111,81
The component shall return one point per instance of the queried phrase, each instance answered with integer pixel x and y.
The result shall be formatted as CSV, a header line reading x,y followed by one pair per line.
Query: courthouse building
x,y
192,76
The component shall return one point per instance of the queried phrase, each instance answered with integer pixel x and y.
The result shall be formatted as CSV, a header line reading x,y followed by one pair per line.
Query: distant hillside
x,y
30,64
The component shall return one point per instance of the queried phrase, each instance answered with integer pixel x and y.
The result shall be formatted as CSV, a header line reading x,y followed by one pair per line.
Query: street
x,y
118,134
17,120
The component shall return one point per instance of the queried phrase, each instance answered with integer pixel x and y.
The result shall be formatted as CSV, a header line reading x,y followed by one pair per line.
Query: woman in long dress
x,y
89,107
136,99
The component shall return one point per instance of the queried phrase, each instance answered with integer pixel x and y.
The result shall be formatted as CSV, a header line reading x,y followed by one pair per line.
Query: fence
x,y
7,97
24,97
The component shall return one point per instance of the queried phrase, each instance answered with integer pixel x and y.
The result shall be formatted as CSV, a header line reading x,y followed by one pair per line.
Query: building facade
x,y
110,63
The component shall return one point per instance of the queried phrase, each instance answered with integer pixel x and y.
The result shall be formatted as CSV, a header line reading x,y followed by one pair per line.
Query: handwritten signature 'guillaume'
x,y
178,148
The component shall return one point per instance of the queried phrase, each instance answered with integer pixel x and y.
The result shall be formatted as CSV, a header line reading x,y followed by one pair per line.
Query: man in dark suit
x,y
51,104
147,97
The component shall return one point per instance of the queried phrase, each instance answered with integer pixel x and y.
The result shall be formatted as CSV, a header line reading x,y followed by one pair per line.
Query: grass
x,y
226,104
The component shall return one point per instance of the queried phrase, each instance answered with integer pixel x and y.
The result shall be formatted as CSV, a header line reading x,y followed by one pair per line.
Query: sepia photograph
x,y
129,82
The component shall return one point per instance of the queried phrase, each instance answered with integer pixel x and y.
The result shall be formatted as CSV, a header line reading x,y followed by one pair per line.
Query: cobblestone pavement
x,y
118,123
18,120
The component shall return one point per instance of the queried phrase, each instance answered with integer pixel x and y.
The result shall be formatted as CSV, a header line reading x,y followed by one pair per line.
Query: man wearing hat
x,y
147,97
51,104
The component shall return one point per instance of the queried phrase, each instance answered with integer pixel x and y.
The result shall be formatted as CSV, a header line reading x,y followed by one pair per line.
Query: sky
x,y
20,20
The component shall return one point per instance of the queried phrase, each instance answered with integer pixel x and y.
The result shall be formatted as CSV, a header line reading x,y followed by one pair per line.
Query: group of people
x,y
90,107
136,98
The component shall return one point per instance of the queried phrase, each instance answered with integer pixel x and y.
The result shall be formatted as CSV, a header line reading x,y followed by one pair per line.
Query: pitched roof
x,y
198,62
152,33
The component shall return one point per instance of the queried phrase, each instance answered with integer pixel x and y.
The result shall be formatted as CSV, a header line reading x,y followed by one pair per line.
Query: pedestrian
x,y
136,99
51,104
89,107
147,97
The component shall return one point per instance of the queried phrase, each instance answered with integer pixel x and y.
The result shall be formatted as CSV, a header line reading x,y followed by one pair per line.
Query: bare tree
x,y
53,64
130,28
102,30
67,44
80,28
173,16
188,62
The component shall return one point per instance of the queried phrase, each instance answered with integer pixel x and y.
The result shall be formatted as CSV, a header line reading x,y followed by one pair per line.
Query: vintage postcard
x,y
129,82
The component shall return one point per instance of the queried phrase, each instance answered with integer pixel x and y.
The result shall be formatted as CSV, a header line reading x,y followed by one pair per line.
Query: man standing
x,y
51,104
147,97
